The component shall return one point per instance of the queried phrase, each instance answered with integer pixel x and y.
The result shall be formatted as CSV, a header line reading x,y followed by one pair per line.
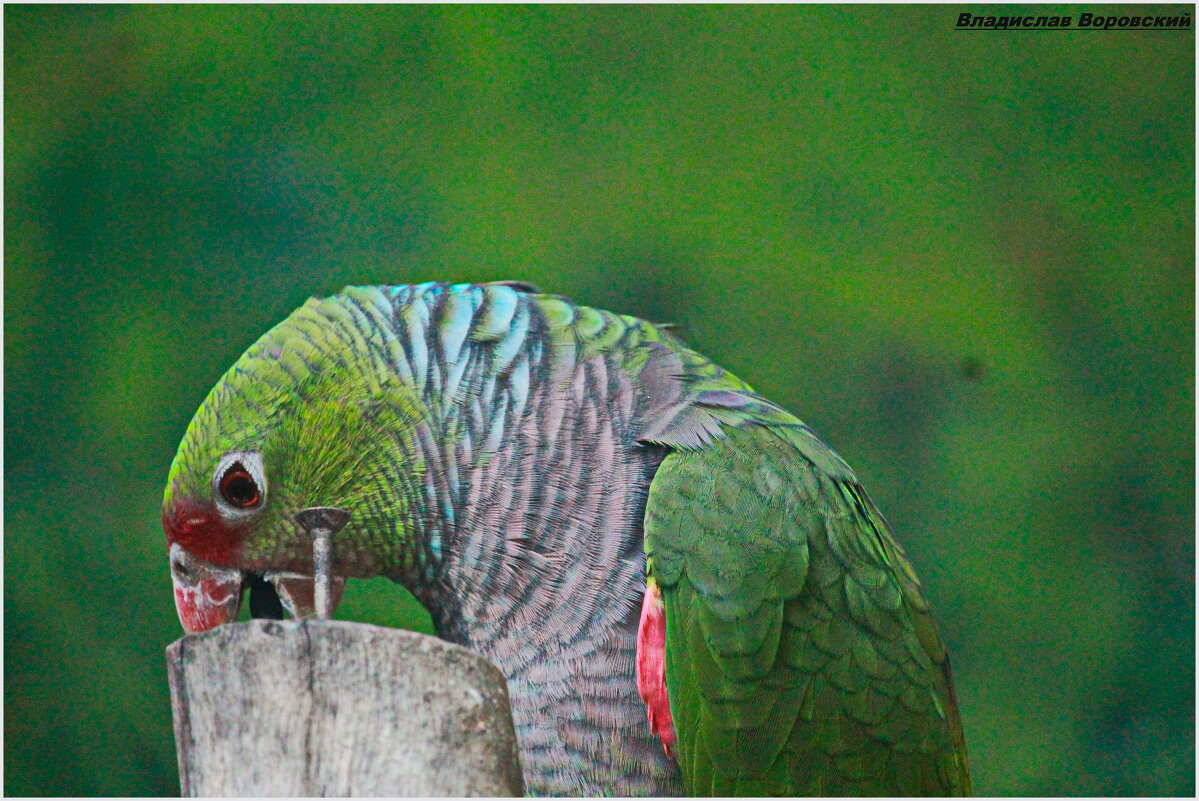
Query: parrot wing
x,y
800,656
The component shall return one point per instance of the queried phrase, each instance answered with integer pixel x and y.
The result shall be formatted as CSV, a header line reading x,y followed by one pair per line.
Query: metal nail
x,y
322,523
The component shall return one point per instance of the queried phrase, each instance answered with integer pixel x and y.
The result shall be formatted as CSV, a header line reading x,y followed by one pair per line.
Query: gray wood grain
x,y
329,708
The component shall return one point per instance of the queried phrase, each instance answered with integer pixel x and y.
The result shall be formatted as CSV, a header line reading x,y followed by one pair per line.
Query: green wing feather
x,y
800,655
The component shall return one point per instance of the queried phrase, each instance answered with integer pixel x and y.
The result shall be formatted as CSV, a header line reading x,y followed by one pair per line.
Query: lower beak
x,y
205,595
297,592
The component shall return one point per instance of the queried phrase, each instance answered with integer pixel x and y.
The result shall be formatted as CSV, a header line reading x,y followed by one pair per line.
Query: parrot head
x,y
297,422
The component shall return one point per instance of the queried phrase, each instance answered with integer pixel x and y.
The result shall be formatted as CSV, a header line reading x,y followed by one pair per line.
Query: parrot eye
x,y
239,484
239,488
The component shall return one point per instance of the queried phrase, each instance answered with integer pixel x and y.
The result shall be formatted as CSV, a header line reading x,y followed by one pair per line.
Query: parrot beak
x,y
205,595
297,592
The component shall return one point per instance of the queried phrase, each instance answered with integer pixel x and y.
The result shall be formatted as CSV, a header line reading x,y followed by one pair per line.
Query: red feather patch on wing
x,y
651,666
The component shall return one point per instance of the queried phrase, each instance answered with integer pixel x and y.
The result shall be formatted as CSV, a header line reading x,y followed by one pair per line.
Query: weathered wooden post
x,y
330,708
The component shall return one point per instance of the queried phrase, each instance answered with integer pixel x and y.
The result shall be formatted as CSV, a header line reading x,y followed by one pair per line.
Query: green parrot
x,y
687,591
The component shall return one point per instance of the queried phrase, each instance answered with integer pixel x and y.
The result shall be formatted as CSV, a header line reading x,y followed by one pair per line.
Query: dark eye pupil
x,y
241,490
238,487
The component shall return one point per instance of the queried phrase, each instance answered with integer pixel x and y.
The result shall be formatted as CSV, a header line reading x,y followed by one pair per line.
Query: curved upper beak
x,y
205,595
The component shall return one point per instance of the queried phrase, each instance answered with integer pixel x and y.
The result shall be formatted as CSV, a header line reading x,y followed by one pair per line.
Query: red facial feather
x,y
197,528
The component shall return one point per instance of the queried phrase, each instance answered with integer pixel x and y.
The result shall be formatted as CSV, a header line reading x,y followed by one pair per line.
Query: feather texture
x,y
800,657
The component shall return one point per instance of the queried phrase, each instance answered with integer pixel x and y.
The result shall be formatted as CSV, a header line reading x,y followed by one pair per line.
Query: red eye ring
x,y
239,488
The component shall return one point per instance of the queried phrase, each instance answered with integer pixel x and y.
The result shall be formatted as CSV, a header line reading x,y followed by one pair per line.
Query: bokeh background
x,y
965,258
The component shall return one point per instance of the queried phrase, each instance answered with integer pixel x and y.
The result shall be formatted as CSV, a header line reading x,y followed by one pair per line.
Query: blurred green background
x,y
965,258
